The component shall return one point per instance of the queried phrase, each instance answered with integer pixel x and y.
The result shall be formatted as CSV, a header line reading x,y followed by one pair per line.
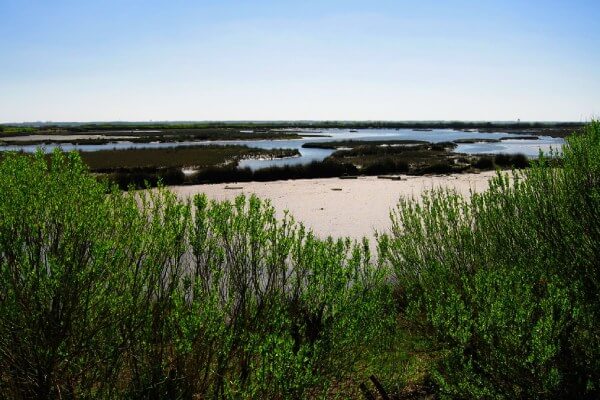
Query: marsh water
x,y
529,147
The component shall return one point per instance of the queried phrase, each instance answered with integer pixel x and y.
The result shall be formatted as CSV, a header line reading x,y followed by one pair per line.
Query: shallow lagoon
x,y
528,147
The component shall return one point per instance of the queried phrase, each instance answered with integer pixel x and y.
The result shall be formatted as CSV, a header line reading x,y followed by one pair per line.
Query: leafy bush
x,y
484,162
316,169
520,161
511,161
442,167
141,178
507,281
386,165
109,294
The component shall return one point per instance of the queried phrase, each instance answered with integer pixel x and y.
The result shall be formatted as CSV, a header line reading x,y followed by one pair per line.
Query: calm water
x,y
530,148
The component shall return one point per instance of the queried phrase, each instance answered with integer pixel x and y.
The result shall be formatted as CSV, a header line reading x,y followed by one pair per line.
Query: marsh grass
x,y
193,156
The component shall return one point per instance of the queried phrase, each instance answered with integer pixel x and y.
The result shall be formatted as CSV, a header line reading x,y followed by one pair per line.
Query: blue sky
x,y
278,60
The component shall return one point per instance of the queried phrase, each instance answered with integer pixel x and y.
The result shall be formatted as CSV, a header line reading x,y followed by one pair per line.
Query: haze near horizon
x,y
318,60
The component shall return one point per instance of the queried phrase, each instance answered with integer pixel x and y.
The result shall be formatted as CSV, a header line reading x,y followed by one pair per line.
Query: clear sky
x,y
108,60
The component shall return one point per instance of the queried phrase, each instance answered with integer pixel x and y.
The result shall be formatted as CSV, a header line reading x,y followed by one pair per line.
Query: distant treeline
x,y
303,124
139,135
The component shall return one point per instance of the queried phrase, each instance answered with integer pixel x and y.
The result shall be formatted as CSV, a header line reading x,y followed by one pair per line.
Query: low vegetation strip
x,y
166,133
112,294
196,156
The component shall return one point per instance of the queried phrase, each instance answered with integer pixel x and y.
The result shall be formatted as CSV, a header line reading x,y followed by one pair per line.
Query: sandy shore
x,y
358,209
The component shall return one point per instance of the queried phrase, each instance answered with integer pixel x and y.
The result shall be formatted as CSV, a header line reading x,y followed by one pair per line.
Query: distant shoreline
x,y
557,129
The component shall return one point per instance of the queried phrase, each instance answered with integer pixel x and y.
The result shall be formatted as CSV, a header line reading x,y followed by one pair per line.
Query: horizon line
x,y
279,121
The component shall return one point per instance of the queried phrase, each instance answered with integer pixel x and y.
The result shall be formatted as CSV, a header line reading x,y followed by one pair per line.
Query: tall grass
x,y
506,282
141,295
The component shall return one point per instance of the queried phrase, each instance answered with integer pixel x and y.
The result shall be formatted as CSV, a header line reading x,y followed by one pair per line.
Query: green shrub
x,y
142,178
442,167
386,165
62,265
517,161
484,162
109,294
507,281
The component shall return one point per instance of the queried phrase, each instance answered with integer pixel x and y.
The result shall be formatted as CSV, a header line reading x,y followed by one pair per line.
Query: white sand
x,y
360,208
